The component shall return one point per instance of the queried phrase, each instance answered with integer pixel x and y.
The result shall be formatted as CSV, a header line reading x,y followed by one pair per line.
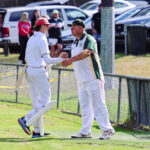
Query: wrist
x,y
71,60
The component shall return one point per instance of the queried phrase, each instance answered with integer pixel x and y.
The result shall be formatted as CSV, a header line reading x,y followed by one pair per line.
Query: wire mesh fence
x,y
64,89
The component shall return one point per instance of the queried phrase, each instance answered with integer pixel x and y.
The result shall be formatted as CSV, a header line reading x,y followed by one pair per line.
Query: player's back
x,y
34,48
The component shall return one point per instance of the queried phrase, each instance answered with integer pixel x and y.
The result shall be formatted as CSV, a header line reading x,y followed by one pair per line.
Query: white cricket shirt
x,y
89,68
37,51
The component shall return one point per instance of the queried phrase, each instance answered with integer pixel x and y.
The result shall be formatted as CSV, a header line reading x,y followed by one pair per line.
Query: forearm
x,y
50,60
81,56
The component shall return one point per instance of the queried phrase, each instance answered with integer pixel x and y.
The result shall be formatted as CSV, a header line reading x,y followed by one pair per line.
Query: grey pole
x,y
107,36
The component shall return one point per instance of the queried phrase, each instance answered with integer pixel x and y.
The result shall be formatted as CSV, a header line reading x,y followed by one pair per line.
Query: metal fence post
x,y
119,99
125,40
17,72
138,102
58,87
6,48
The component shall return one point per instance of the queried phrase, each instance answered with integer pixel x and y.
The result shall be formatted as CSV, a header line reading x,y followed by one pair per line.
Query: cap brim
x,y
43,24
69,25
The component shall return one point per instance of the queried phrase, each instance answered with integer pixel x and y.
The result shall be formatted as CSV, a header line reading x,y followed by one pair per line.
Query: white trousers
x,y
92,103
40,92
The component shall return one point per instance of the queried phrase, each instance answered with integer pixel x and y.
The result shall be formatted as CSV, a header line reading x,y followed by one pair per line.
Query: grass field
x,y
133,65
13,58
62,126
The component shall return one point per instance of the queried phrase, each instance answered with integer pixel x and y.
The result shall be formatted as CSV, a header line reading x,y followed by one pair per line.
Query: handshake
x,y
67,61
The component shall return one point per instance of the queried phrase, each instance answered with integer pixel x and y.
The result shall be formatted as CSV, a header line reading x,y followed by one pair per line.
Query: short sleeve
x,y
90,44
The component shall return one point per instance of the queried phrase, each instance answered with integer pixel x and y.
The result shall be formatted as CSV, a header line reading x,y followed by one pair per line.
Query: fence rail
x,y
127,97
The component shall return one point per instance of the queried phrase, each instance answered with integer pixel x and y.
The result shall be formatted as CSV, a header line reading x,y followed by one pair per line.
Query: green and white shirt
x,y
89,68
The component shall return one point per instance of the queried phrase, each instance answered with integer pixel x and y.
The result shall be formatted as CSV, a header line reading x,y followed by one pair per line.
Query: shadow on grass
x,y
15,140
20,140
140,135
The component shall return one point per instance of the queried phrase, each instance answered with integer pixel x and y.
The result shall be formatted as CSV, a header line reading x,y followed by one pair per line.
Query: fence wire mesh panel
x,y
23,92
127,98
68,92
7,82
111,96
53,79
124,102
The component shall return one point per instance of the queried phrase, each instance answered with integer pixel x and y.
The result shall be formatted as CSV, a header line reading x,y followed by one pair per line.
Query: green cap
x,y
55,11
77,22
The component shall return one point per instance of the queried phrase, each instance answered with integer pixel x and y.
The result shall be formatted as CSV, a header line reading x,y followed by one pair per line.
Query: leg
x,y
43,89
87,110
39,126
34,94
96,91
35,97
52,50
24,51
59,46
23,43
41,112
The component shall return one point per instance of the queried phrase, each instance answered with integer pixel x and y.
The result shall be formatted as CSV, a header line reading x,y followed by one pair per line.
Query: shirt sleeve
x,y
50,60
43,44
90,44
45,53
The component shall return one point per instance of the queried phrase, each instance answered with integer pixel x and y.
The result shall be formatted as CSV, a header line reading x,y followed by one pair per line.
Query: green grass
x,y
69,102
12,58
62,126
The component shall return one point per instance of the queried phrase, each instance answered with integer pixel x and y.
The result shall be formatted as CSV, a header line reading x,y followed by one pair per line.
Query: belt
x,y
37,67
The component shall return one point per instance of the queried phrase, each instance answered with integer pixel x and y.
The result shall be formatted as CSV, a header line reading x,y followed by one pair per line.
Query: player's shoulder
x,y
60,20
43,38
89,38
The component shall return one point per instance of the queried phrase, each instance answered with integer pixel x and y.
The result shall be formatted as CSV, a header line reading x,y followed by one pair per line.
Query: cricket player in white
x,y
90,81
37,56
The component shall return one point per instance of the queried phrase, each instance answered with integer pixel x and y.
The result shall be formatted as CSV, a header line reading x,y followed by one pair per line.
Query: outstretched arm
x,y
50,60
55,61
78,57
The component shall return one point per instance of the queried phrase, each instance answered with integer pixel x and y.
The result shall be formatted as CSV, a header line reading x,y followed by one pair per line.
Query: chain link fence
x,y
127,98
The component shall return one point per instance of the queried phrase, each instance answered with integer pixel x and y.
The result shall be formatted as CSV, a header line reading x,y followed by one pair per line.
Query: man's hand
x,y
66,62
64,55
28,35
56,26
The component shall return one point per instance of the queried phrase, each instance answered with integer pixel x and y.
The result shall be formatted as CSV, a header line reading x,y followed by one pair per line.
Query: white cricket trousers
x,y
40,92
92,103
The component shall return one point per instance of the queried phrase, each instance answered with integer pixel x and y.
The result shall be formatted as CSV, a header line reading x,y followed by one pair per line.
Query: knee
x,y
59,47
52,48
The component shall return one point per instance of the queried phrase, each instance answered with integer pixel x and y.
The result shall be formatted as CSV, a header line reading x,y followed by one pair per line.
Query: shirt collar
x,y
38,33
82,37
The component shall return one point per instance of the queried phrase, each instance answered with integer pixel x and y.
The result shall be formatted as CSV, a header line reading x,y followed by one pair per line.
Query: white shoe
x,y
80,135
107,134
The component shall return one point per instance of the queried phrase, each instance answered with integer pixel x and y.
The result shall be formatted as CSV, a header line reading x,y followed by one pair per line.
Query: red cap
x,y
41,21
